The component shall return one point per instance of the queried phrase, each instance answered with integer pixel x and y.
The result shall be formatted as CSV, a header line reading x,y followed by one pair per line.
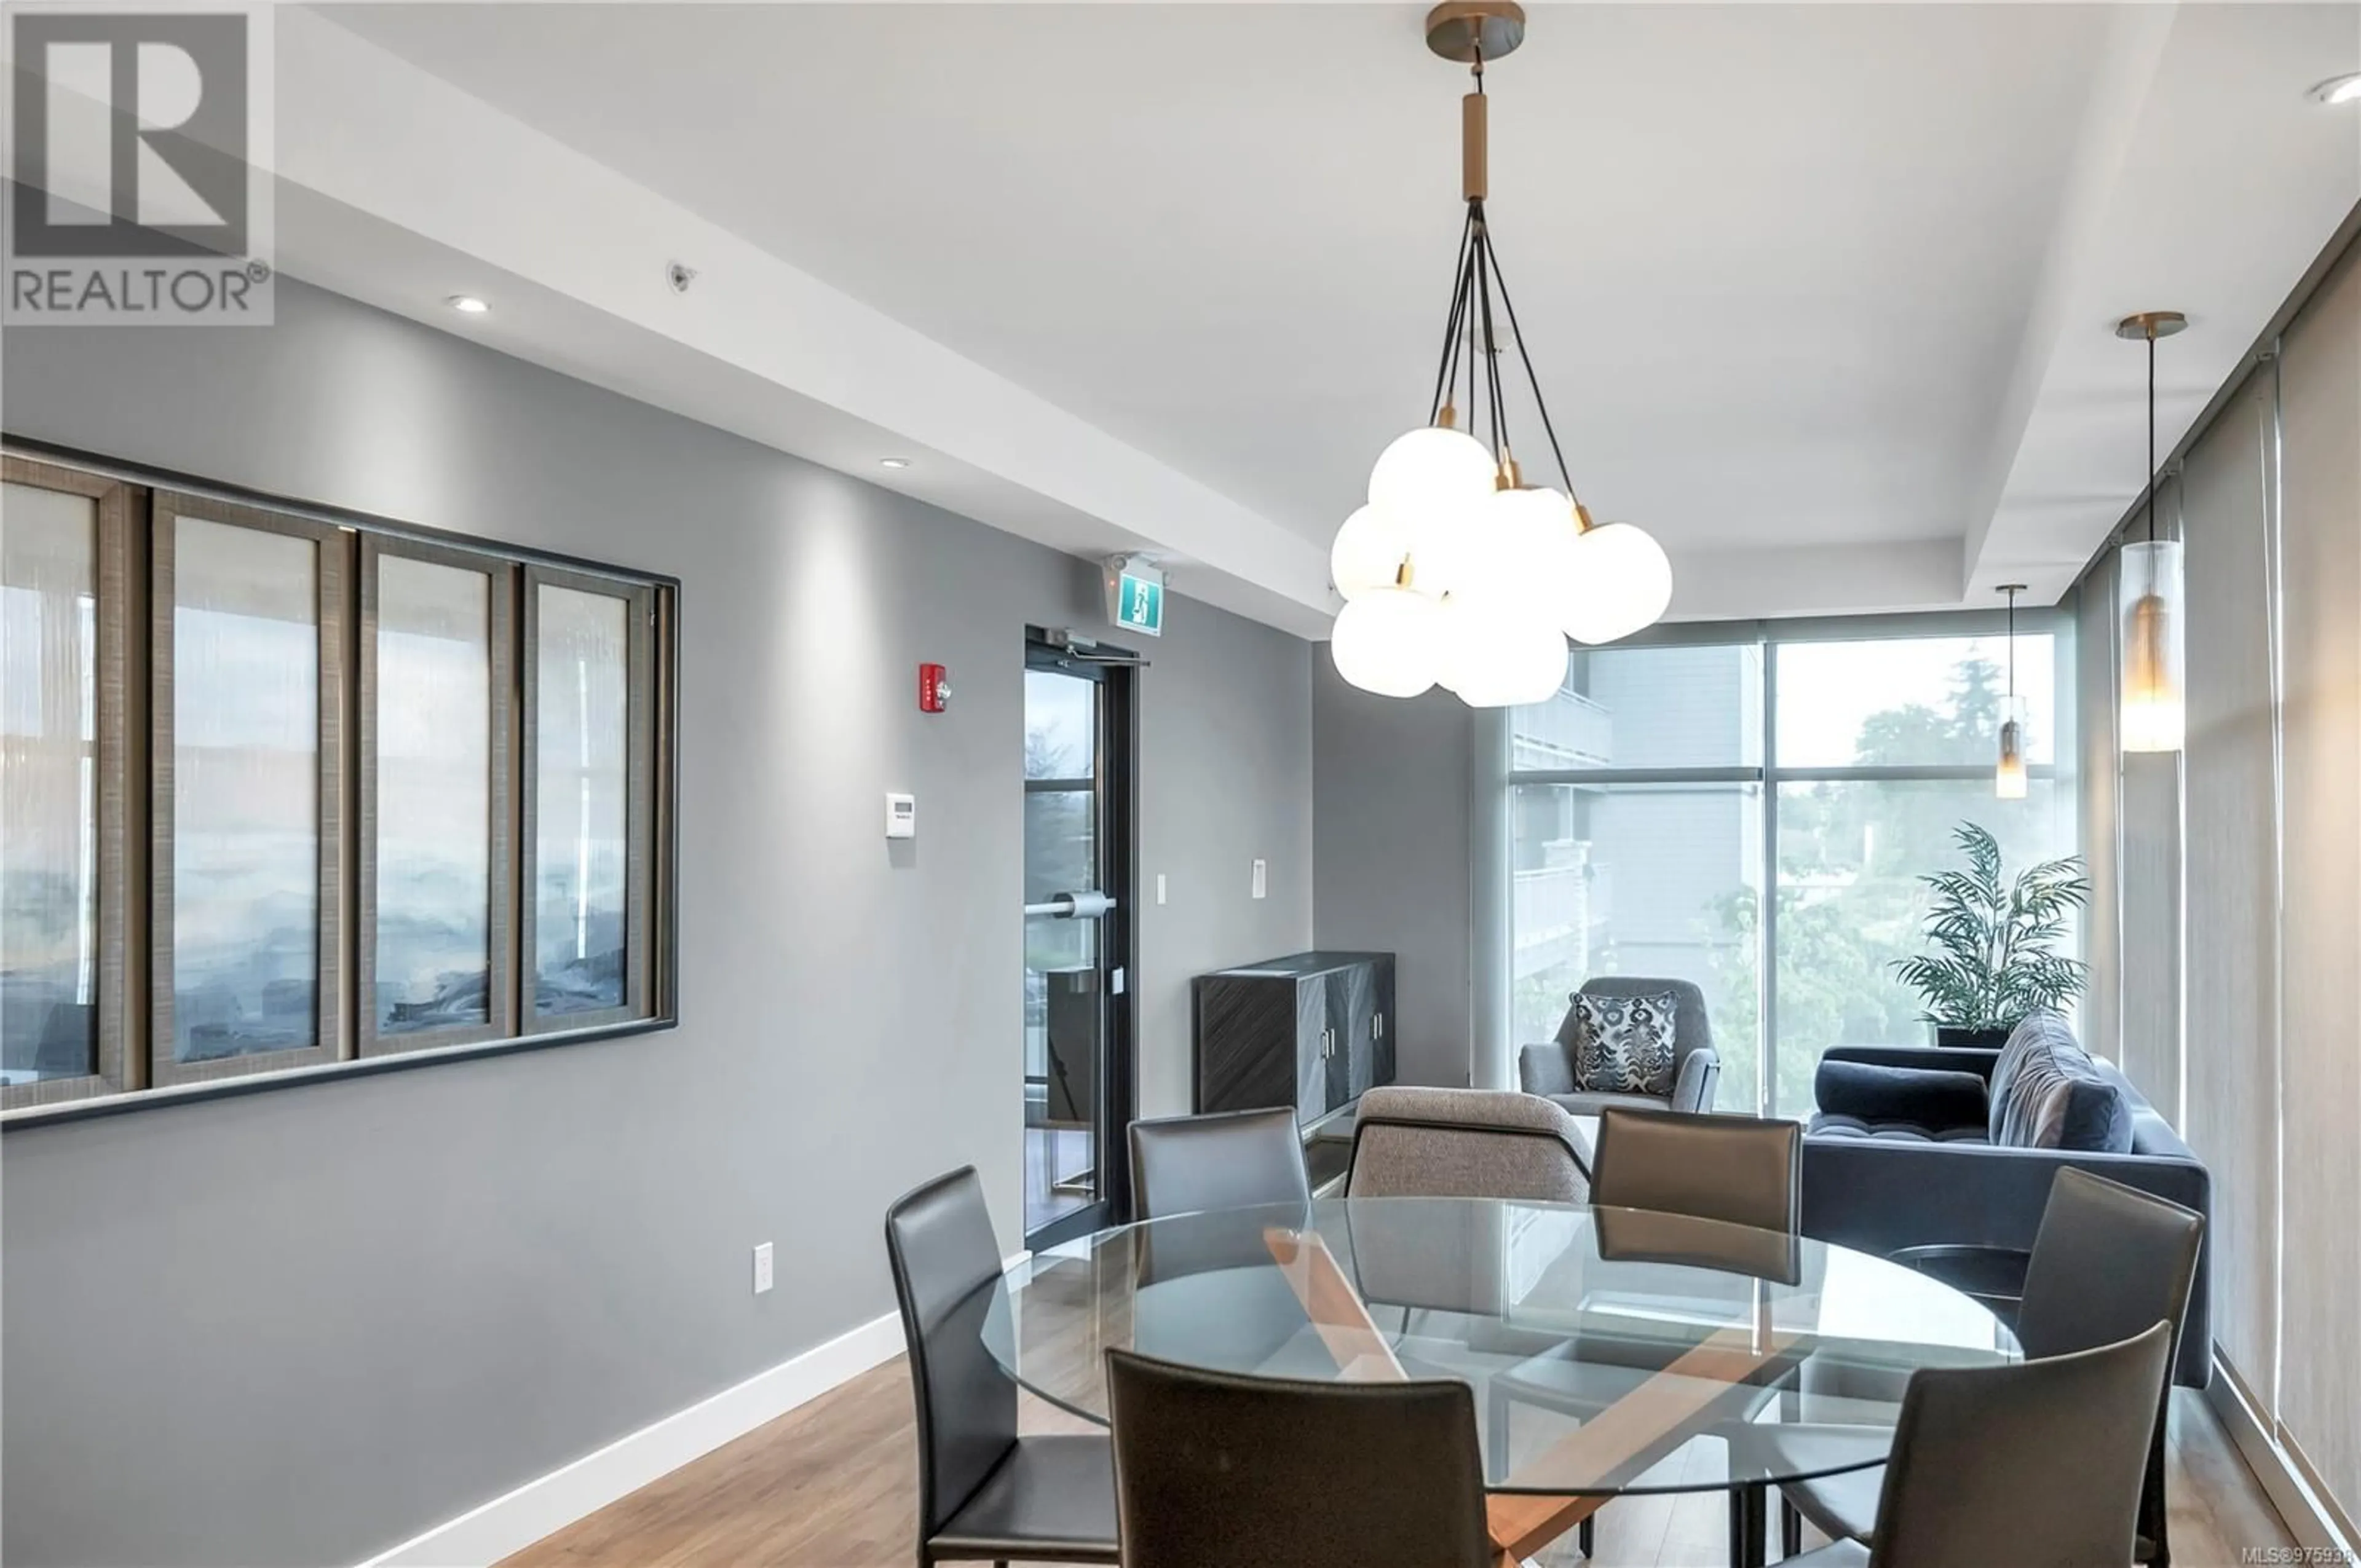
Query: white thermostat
x,y
901,816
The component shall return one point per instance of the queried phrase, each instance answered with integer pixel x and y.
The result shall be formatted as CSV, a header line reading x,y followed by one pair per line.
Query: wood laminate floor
x,y
834,1485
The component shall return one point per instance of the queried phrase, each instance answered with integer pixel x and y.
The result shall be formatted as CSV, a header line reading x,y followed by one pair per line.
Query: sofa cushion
x,y
2048,1094
1921,1095
1835,1125
1623,1045
2032,1030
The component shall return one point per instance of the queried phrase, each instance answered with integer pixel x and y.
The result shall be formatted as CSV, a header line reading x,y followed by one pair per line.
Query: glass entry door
x,y
1076,859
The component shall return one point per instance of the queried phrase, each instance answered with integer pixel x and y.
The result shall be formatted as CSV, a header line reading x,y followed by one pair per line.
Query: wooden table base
x,y
1522,1521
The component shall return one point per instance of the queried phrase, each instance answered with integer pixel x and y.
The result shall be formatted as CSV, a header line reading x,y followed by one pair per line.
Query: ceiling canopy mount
x,y
1470,31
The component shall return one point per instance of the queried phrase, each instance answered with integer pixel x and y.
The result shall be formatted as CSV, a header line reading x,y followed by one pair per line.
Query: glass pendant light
x,y
2008,778
1503,572
2150,712
1390,641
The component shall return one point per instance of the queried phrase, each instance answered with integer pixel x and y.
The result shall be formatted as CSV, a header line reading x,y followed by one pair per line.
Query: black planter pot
x,y
1961,1037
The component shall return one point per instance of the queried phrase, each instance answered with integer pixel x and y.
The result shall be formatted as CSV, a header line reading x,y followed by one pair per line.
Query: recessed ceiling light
x,y
466,305
892,462
2345,89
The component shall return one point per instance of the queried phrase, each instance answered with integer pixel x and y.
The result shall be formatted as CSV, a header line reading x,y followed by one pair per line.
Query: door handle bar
x,y
1072,905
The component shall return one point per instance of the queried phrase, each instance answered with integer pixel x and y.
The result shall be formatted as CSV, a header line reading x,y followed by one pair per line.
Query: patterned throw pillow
x,y
1623,1045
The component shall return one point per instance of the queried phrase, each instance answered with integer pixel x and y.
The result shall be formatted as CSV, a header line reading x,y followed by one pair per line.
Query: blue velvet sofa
x,y
1905,1153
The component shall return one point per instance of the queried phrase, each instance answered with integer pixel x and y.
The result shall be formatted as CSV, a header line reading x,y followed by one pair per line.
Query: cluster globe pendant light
x,y
1457,573
2150,711
2008,777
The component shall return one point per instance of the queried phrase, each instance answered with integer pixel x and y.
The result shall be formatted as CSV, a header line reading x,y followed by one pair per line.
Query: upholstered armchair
x,y
1548,1070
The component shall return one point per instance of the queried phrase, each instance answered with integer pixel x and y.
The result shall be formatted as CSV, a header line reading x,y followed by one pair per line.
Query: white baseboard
x,y
482,1536
510,1523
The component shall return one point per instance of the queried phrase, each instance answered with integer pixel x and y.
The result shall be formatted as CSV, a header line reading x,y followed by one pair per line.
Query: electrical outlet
x,y
763,1268
1262,879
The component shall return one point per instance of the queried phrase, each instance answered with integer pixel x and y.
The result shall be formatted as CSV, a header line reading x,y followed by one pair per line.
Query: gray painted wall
x,y
1391,791
299,1327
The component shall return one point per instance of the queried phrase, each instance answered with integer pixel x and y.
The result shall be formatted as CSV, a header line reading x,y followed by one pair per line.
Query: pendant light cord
x,y
1541,405
1450,356
2012,645
2151,433
1476,278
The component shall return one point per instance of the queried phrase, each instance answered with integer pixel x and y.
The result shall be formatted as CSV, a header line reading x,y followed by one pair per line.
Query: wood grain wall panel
x,y
2320,400
2230,1027
2099,1020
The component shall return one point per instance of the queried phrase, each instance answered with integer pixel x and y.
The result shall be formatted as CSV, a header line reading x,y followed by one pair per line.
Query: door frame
x,y
1115,670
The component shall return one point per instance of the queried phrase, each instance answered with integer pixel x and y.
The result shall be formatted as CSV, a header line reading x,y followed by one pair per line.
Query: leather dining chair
x,y
986,1495
1217,1471
1231,1159
2055,1448
1742,1170
2107,1261
1734,1170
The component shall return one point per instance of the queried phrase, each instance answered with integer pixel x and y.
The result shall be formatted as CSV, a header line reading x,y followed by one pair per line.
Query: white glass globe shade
x,y
1367,552
1430,474
1619,581
1501,656
1387,641
1519,551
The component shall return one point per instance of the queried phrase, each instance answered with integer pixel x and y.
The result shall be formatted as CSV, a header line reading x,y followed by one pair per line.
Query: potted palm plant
x,y
1993,955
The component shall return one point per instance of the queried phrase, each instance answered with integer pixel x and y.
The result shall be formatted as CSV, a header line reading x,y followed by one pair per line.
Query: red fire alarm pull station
x,y
934,688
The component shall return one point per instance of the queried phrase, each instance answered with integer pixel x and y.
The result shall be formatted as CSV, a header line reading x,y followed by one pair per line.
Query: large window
x,y
1667,789
391,793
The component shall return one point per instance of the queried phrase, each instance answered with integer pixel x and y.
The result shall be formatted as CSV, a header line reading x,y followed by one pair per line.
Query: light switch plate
x,y
1262,879
763,1268
1159,887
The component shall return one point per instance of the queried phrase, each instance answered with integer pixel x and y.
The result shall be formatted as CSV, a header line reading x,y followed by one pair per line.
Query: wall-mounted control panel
x,y
901,816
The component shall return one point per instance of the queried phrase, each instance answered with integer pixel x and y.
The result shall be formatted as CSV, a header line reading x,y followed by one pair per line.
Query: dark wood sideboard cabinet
x,y
1311,1031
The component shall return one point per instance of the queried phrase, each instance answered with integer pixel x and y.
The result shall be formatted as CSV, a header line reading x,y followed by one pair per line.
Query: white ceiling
x,y
1814,283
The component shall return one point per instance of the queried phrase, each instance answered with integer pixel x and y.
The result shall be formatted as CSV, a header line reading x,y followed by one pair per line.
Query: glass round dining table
x,y
1609,1351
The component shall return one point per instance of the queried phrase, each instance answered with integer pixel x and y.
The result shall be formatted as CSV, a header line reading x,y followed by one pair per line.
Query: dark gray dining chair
x,y
2054,1451
2107,1261
1231,1159
1216,1471
986,1495
1742,1170
1731,1170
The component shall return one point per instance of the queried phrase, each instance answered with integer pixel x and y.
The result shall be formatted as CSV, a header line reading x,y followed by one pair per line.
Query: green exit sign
x,y
1137,598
